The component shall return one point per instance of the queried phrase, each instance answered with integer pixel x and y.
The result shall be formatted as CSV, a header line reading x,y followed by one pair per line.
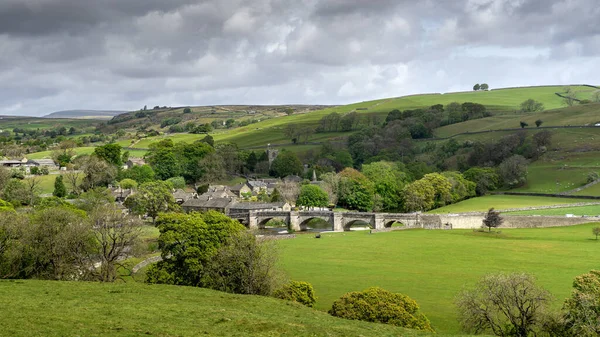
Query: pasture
x,y
592,210
433,266
500,202
52,308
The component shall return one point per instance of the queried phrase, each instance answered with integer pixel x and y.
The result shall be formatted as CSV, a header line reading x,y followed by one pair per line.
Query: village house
x,y
134,162
182,196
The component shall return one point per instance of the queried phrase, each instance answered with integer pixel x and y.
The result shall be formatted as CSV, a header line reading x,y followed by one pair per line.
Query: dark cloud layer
x,y
123,54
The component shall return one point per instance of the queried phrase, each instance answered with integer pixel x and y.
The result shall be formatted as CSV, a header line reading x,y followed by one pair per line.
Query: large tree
x,y
155,197
355,190
117,236
188,243
111,153
531,105
582,315
504,305
389,181
287,163
312,196
513,171
59,187
418,196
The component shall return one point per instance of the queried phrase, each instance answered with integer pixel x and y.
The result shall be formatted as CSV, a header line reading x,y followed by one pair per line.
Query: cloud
x,y
114,54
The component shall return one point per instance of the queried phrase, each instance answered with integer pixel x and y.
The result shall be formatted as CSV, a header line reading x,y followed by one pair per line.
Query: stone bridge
x,y
339,221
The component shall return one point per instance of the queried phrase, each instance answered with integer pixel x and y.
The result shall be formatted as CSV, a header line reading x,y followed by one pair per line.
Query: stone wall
x,y
474,220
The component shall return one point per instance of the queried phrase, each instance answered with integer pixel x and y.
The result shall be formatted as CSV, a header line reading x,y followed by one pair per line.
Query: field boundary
x,y
558,195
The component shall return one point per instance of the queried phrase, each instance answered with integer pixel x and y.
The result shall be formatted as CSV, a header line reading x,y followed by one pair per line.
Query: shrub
x,y
583,307
297,291
381,306
592,176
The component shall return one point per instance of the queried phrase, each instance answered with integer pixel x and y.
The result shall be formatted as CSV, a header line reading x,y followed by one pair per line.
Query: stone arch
x,y
261,223
305,220
390,223
350,223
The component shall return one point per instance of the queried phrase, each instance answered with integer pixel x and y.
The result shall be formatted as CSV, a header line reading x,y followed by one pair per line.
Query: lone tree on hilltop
x,y
484,86
523,125
476,87
492,219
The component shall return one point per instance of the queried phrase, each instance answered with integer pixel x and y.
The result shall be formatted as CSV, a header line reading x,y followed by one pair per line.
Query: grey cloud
x,y
123,54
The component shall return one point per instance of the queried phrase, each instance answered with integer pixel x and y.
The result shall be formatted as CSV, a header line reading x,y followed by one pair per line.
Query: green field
x,y
51,308
500,202
48,154
433,266
593,210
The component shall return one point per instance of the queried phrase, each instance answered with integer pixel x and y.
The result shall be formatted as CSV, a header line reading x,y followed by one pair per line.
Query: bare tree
x,y
289,191
33,187
503,304
117,237
73,178
331,183
569,97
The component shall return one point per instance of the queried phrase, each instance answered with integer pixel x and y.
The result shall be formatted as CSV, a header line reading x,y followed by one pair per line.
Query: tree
x,y
442,188
229,123
331,184
287,163
538,123
418,196
389,181
140,173
484,86
155,197
523,124
486,179
513,171
187,110
543,138
355,190
188,242
569,96
476,87
64,152
111,153
245,265
213,168
461,188
492,219
73,178
16,192
60,190
33,188
596,96
596,231
583,307
381,306
251,161
97,173
128,184
312,196
297,291
117,236
176,182
276,196
503,304
289,191
531,105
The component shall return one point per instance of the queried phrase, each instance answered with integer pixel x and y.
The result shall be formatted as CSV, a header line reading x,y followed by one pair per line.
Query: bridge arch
x,y
348,224
262,222
304,221
394,223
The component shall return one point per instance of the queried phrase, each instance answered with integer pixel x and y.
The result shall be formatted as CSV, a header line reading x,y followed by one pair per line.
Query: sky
x,y
124,54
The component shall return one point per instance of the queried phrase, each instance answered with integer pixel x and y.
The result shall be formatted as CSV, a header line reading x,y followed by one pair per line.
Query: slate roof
x,y
208,203
257,205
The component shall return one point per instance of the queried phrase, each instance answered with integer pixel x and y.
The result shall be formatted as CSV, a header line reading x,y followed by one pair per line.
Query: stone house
x,y
208,204
182,196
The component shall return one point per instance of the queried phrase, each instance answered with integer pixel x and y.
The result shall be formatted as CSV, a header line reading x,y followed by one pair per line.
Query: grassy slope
x,y
500,202
578,211
47,308
433,266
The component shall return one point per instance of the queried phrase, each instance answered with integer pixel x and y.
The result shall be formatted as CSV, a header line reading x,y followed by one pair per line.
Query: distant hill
x,y
85,114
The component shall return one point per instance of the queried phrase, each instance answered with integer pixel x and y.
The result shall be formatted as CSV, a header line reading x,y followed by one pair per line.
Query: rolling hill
x,y
85,114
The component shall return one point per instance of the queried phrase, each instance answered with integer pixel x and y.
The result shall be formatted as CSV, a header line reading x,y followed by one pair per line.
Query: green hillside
x,y
51,308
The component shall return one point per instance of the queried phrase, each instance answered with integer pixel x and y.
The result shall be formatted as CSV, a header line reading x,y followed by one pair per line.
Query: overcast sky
x,y
124,54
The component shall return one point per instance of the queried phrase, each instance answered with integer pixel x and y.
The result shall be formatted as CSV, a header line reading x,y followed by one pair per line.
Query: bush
x,y
592,176
297,291
381,306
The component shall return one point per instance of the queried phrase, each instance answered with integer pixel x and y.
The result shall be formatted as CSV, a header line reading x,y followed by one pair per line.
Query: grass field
x,y
500,202
433,266
51,308
578,211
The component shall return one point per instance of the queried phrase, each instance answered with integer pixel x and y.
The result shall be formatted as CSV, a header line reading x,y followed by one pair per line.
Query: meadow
x,y
52,308
433,266
501,202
